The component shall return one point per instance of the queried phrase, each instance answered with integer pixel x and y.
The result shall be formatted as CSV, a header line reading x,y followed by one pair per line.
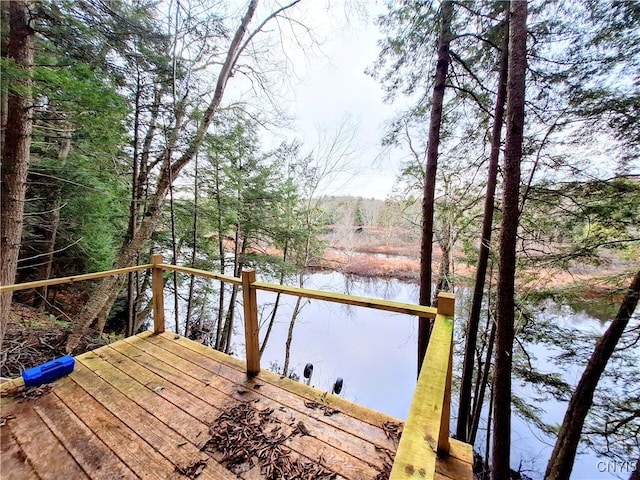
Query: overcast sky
x,y
333,87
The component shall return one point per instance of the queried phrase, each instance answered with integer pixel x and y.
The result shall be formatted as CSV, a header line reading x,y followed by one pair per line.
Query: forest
x,y
135,127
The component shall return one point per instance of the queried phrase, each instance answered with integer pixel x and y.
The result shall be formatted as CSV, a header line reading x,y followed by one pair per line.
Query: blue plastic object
x,y
48,372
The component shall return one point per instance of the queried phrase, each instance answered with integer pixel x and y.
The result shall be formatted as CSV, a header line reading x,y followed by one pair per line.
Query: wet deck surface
x,y
161,406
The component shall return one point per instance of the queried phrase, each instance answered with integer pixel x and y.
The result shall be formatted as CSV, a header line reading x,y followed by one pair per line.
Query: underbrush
x,y
34,337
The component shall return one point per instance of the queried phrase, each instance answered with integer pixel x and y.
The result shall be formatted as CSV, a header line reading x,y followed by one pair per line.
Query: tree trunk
x,y
462,431
4,39
133,278
564,451
51,230
483,381
428,199
287,348
505,306
276,303
16,154
194,251
444,271
220,320
174,250
103,296
221,252
142,309
239,266
107,289
272,321
227,331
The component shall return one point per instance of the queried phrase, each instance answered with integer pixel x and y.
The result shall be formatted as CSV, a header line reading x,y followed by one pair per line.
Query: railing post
x,y
157,289
426,431
446,306
251,329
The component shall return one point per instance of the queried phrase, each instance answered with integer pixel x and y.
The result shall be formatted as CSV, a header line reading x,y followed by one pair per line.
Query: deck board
x,y
14,464
143,407
149,400
343,449
48,456
86,449
358,421
131,449
167,440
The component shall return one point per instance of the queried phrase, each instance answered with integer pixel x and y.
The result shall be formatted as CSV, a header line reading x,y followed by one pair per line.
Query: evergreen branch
x,y
64,180
466,67
49,253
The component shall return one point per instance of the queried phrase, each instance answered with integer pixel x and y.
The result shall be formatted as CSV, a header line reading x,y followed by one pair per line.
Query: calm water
x,y
375,353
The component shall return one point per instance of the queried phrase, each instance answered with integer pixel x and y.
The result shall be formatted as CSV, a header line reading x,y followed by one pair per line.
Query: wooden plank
x,y
342,463
161,437
14,463
355,457
398,307
359,412
134,362
308,449
371,432
251,329
8,389
458,465
157,291
443,437
137,454
162,399
95,458
169,368
417,452
460,450
454,469
185,417
72,279
48,457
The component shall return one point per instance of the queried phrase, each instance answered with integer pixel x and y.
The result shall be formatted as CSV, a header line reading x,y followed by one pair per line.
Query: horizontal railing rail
x,y
426,431
397,307
203,273
73,279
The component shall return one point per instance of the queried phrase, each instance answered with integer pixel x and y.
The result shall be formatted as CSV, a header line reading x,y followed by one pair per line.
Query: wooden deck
x,y
161,406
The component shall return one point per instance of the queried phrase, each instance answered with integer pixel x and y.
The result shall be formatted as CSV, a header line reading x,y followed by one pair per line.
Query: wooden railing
x,y
426,431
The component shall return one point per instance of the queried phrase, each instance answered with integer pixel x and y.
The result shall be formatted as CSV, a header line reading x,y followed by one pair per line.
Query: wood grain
x,y
417,452
142,408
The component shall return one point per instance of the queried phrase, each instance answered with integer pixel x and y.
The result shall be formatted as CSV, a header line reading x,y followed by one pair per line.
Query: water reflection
x,y
375,353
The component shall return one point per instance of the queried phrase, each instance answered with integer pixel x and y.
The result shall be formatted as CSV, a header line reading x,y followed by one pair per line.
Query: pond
x,y
374,352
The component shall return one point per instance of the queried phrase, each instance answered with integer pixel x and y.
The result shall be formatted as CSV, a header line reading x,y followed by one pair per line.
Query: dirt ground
x,y
35,336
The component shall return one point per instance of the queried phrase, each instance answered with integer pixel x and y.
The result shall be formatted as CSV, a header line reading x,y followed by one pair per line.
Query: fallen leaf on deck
x,y
193,470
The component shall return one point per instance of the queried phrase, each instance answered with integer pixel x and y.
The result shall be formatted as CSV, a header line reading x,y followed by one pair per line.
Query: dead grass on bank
x,y
356,263
372,252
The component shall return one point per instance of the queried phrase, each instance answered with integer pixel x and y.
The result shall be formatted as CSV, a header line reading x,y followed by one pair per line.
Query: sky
x,y
321,85
332,88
